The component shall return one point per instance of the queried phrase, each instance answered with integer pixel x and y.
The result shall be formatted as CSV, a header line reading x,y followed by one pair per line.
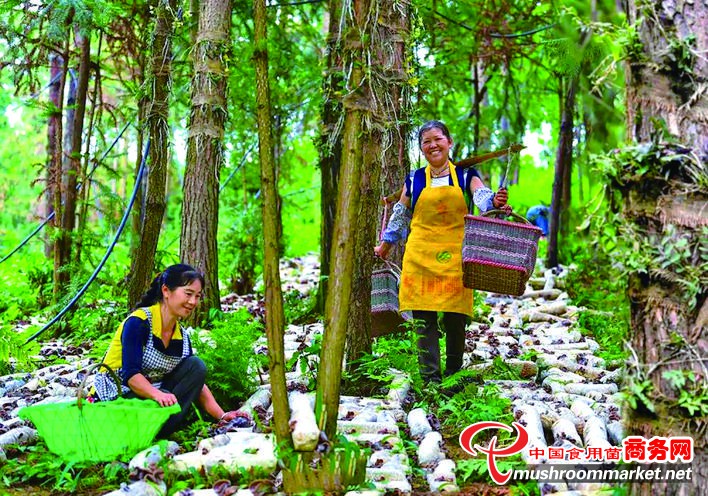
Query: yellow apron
x,y
432,265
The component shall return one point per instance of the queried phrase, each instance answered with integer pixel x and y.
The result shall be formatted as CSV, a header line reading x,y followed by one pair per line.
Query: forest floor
x,y
531,348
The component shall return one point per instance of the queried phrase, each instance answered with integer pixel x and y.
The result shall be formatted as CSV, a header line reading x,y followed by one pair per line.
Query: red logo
x,y
467,435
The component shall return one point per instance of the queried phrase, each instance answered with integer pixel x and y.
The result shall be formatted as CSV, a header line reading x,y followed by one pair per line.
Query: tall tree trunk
x,y
275,320
53,131
666,81
205,146
138,214
386,156
355,223
564,157
68,220
57,175
160,77
85,189
330,144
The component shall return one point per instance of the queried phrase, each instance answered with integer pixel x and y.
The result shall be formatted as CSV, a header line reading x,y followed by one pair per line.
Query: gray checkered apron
x,y
156,365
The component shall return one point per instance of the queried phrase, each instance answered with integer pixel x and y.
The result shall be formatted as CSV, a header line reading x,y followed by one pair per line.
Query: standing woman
x,y
434,206
153,355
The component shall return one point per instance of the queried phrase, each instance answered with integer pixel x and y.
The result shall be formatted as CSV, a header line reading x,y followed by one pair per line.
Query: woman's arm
x,y
385,246
483,196
139,384
207,401
135,332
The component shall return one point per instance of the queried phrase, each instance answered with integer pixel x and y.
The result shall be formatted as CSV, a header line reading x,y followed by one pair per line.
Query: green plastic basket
x,y
81,431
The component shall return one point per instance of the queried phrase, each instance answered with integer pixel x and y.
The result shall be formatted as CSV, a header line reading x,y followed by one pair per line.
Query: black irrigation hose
x,y
78,188
243,161
103,261
30,236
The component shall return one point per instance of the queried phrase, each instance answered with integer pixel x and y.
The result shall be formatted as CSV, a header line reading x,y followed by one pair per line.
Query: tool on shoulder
x,y
503,181
464,164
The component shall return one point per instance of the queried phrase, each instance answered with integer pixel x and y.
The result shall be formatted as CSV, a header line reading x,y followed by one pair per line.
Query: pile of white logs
x,y
299,274
574,401
48,384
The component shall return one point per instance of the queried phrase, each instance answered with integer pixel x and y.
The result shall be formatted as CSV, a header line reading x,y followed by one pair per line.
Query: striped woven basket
x,y
385,317
498,255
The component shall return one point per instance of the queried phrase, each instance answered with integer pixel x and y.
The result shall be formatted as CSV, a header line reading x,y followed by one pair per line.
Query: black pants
x,y
429,344
185,382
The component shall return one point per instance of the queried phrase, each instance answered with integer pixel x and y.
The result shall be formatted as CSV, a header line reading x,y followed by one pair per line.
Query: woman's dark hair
x,y
174,276
432,125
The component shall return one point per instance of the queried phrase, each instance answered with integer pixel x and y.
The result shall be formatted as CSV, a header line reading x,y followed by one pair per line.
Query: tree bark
x,y
57,175
666,81
68,219
205,147
84,192
564,158
365,126
330,145
138,213
160,76
385,163
53,131
275,319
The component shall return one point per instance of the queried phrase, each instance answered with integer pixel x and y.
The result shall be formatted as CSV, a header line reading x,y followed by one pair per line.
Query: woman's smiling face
x,y
435,146
183,300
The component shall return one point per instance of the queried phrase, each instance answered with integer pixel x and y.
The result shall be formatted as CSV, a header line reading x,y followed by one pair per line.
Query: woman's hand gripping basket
x,y
385,316
498,255
81,431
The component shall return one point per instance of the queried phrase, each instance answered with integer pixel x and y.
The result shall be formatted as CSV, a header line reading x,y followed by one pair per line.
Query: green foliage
x,y
387,352
227,350
189,437
647,247
242,246
342,465
14,354
693,392
97,320
477,469
610,330
306,360
695,402
475,404
36,465
299,309
638,394
481,309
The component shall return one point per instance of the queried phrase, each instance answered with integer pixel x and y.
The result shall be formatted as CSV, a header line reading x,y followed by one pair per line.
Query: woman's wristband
x,y
224,415
398,224
483,198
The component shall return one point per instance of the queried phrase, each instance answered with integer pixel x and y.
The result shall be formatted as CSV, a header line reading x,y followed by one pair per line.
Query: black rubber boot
x,y
454,325
428,346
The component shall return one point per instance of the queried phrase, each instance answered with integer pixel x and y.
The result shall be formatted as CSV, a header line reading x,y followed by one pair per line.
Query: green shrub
x,y
474,404
609,330
299,308
14,355
241,249
232,364
395,351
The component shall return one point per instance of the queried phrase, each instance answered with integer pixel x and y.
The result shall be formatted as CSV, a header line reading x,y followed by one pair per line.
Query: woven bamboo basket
x,y
385,316
499,255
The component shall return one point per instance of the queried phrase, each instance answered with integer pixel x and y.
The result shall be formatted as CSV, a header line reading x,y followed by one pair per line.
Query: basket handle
x,y
504,214
384,218
395,268
82,386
